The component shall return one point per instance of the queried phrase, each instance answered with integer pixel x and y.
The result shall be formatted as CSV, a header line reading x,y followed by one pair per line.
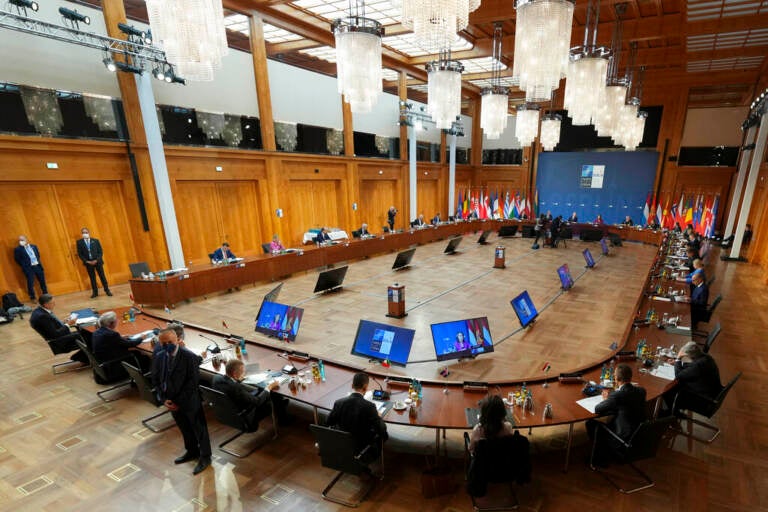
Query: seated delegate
x,y
109,345
419,222
492,423
254,404
48,325
275,246
362,232
697,376
628,221
223,253
323,237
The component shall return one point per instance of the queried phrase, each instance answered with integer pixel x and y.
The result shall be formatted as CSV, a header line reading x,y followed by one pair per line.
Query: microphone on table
x,y
383,395
215,349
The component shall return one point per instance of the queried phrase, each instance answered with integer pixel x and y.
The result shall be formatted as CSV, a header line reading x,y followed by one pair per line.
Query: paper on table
x,y
87,320
590,402
662,299
664,371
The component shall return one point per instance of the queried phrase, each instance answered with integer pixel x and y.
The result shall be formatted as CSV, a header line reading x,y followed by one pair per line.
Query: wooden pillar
x,y
349,130
443,147
402,91
261,74
150,245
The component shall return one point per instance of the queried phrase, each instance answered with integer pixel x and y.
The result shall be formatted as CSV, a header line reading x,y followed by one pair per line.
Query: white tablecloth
x,y
335,235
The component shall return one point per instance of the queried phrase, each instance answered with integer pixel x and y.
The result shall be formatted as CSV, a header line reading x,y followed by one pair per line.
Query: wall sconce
x,y
279,213
354,206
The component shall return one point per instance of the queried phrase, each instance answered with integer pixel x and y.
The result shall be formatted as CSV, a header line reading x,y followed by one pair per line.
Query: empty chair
x,y
711,337
709,283
705,315
501,460
706,407
137,269
147,392
643,444
266,247
227,413
100,373
337,451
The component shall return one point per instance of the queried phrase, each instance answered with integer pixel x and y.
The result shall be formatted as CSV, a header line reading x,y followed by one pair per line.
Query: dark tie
x,y
88,246
166,371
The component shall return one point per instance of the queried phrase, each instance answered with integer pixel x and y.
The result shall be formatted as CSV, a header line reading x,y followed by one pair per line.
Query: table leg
x,y
314,409
437,443
568,448
657,407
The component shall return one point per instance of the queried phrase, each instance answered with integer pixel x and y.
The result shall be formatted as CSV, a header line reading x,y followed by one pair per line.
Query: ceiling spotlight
x,y
158,73
110,64
74,16
23,5
134,34
178,80
128,68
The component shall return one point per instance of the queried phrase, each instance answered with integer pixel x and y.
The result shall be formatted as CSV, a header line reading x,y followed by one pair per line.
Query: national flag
x,y
507,207
679,216
700,215
536,203
646,208
651,211
465,206
487,206
713,215
526,208
459,206
224,323
385,363
667,219
516,205
688,216
495,203
546,367
476,205
660,213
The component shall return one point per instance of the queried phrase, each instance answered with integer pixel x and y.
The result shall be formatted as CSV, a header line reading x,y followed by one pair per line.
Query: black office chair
x,y
64,345
704,315
227,413
709,283
356,233
100,371
138,268
643,444
711,337
147,392
704,406
503,460
385,229
337,451
267,248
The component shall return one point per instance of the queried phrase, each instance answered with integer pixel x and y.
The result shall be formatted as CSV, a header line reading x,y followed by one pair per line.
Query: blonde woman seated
x,y
275,246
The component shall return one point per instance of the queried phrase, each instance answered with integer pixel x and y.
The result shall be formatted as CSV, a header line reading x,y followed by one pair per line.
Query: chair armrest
x,y
371,446
699,396
116,360
604,427
466,441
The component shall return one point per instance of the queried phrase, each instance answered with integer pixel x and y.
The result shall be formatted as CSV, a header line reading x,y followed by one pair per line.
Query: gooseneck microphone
x,y
213,350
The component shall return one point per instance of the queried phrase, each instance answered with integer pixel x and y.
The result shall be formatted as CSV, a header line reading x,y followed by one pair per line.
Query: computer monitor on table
x,y
460,339
383,342
271,296
453,243
330,279
279,320
137,269
403,259
588,258
484,237
566,280
604,246
524,309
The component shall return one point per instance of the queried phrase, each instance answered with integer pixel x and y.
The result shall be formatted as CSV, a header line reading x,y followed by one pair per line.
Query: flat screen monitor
x,y
566,280
604,246
271,296
279,320
462,338
383,342
524,309
403,259
588,258
330,279
484,237
137,269
453,243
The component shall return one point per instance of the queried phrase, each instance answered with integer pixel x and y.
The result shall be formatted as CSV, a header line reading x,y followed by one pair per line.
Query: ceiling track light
x,y
23,5
109,64
128,68
74,17
159,73
134,34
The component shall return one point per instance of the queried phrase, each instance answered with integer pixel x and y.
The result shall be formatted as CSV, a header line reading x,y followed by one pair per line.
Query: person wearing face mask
x,y
28,257
89,250
175,377
253,404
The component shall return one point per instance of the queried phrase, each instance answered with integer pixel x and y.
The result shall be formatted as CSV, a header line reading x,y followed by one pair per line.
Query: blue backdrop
x,y
628,179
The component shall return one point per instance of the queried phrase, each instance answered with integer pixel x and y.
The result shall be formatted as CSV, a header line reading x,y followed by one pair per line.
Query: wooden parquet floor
x,y
62,449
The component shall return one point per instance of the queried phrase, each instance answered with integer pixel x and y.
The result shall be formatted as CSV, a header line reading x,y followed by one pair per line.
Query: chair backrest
x,y
502,459
337,449
146,391
711,308
356,233
646,439
711,337
223,408
138,268
98,369
709,283
266,247
720,398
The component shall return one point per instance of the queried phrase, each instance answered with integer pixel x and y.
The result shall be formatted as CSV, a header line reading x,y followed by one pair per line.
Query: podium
x,y
499,261
396,301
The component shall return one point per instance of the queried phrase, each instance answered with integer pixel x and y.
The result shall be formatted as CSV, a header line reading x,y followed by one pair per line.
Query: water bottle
x,y
242,346
419,391
321,367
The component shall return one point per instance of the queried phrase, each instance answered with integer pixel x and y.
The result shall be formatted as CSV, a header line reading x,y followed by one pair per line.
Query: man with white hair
x,y
109,345
698,378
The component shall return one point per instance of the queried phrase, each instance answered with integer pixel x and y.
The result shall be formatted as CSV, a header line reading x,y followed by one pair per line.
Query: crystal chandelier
x,y
42,109
436,22
358,58
101,112
527,124
192,34
495,99
550,131
615,93
585,86
631,120
444,89
542,43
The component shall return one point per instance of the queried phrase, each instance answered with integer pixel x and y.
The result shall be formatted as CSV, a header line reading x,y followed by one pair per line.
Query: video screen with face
x,y
279,320
524,309
461,338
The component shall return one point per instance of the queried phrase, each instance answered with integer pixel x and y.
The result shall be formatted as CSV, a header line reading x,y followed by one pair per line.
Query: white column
x,y
746,154
452,176
754,170
159,169
412,174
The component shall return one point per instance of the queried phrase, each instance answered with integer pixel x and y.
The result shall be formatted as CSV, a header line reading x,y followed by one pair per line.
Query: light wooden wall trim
x,y
263,93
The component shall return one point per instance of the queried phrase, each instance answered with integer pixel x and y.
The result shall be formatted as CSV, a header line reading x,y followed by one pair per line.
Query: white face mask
x,y
22,243
86,236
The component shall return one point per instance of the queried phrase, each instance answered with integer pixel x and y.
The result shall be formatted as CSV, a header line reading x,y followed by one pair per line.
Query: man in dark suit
x,y
419,222
323,237
699,299
90,252
108,345
362,232
436,220
47,325
626,406
223,253
358,416
28,257
391,217
254,404
697,378
175,376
